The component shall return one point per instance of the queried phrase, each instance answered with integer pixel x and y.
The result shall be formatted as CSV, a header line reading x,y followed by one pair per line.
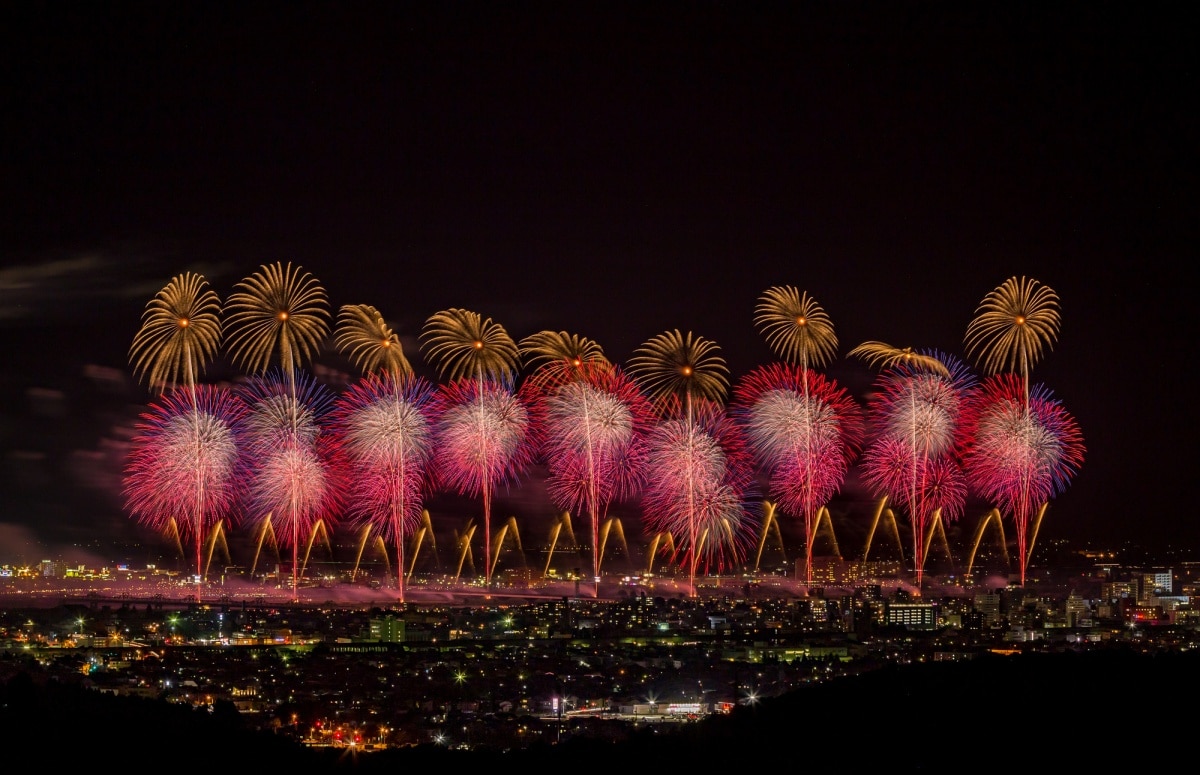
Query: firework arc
x,y
912,458
385,430
593,422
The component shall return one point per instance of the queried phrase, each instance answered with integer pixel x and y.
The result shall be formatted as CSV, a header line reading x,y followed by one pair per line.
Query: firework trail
x,y
294,481
592,423
485,440
184,467
700,480
916,412
385,429
1024,448
804,431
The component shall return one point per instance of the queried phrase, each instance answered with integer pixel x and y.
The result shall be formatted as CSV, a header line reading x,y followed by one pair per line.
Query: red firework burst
x,y
1022,451
917,436
385,431
592,423
294,480
804,431
485,440
184,469
699,482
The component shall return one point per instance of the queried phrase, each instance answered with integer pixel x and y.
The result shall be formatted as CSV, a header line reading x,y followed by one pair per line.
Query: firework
x,y
180,333
795,326
485,423
881,355
293,479
916,415
278,310
184,469
385,428
679,373
556,355
1012,325
592,426
464,344
699,484
673,366
371,344
485,440
804,431
1023,449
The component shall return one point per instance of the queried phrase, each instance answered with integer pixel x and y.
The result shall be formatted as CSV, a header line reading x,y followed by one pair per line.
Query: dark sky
x,y
615,170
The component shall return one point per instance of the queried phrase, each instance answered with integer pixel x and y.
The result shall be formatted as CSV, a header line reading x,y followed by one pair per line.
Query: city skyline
x,y
610,174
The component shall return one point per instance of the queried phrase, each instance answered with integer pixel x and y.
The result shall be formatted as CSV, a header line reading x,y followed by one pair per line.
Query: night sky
x,y
614,170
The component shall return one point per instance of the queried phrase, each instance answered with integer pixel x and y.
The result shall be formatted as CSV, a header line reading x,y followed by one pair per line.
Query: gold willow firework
x,y
464,344
365,337
279,308
674,366
180,333
553,355
879,355
795,327
1012,325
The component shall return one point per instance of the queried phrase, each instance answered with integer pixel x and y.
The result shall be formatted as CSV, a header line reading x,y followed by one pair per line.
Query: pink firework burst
x,y
804,431
385,430
1021,451
485,441
916,414
699,481
592,423
294,482
184,467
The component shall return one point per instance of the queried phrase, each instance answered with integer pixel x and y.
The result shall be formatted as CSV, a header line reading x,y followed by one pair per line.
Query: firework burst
x,y
804,431
464,344
673,366
699,486
795,326
1023,449
293,479
485,440
916,413
1012,325
184,467
385,429
592,423
180,333
370,343
279,310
